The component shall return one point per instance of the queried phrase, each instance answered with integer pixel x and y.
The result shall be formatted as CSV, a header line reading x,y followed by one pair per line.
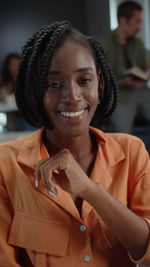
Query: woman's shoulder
x,y
120,142
12,143
11,146
120,138
125,140
131,145
124,137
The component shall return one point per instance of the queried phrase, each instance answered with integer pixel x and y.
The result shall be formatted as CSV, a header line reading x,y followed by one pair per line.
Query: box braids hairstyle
x,y
33,67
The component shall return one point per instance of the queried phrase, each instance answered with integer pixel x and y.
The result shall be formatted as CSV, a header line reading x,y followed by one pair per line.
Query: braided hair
x,y
33,66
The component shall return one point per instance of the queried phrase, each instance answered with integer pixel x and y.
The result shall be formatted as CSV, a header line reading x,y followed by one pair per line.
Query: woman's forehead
x,y
72,53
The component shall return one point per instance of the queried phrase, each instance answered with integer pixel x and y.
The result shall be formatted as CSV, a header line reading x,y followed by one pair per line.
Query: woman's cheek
x,y
93,96
49,101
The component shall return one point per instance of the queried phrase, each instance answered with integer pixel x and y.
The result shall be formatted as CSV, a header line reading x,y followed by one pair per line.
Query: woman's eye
x,y
55,85
84,81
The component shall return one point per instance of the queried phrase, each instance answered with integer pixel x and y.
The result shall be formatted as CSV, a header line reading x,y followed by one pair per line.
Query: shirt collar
x,y
33,149
109,149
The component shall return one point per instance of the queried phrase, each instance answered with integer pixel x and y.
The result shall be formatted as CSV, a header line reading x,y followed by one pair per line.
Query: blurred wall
x,y
97,17
19,19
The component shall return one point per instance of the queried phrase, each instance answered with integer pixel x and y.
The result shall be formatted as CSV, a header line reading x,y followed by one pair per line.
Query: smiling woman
x,y
77,195
72,90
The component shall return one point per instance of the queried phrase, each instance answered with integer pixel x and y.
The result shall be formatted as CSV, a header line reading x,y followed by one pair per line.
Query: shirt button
x,y
82,228
87,258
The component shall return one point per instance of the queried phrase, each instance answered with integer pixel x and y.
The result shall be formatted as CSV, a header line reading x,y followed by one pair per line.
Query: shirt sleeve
x,y
139,194
8,254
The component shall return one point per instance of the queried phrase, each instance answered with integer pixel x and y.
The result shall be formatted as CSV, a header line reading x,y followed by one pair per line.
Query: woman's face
x,y
72,85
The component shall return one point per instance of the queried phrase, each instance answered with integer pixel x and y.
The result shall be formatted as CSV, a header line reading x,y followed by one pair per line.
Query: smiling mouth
x,y
71,114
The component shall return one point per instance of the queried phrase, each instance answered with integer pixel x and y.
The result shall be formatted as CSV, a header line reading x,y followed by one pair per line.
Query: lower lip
x,y
74,120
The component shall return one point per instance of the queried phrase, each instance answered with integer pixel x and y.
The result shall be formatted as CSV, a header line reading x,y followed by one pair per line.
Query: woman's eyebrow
x,y
56,72
84,69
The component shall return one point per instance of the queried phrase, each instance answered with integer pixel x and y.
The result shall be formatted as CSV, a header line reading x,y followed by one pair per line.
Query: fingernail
x,y
52,189
36,182
52,193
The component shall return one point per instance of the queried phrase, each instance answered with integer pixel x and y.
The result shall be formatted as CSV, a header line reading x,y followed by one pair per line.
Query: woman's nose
x,y
71,94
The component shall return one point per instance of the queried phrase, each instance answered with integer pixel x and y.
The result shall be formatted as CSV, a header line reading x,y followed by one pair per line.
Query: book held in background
x,y
137,73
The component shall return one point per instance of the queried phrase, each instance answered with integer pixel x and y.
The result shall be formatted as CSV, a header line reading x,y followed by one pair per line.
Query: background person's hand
x,y
128,81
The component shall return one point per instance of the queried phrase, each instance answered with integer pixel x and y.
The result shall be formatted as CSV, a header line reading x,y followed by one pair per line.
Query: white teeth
x,y
72,114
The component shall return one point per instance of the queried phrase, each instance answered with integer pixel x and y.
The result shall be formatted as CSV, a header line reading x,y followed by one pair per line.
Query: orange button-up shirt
x,y
39,230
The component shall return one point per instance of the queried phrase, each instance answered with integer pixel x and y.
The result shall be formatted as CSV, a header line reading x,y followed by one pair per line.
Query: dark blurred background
x,y
19,19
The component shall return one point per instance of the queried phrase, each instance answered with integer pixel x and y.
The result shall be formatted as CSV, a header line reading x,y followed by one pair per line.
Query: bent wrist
x,y
89,190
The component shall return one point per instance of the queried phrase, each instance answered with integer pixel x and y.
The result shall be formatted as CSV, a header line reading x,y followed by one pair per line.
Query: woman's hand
x,y
63,170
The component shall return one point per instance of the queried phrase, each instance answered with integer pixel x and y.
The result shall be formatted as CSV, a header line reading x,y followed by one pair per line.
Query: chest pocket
x,y
39,235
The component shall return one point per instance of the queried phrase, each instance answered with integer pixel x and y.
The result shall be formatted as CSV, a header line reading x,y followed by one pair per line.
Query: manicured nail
x,y
52,189
52,193
36,182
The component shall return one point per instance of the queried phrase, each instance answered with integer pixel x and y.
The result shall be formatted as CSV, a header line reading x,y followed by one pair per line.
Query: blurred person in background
x,y
15,121
8,77
125,50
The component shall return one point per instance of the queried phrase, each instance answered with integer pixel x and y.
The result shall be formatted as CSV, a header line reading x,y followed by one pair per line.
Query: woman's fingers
x,y
44,172
37,173
63,170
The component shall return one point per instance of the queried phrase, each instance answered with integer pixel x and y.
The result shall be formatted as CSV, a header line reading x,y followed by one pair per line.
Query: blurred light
x,y
3,118
3,121
113,14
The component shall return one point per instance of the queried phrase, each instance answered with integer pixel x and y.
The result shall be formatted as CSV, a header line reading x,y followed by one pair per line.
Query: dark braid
x,y
33,67
29,92
109,99
49,49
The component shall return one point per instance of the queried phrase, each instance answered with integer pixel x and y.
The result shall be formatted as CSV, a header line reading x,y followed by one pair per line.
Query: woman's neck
x,y
79,146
